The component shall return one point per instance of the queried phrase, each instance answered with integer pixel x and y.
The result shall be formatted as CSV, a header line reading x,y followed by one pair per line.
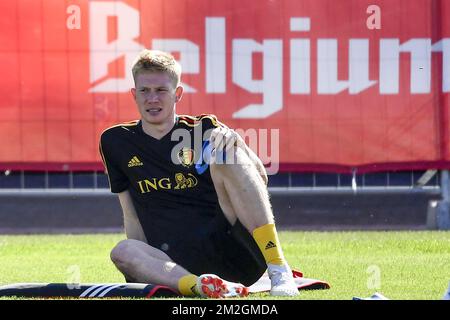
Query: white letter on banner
x,y
300,67
389,64
327,67
300,57
270,86
420,64
215,55
444,47
420,50
189,56
359,66
103,52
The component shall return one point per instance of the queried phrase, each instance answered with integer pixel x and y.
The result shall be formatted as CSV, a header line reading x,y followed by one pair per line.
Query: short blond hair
x,y
157,61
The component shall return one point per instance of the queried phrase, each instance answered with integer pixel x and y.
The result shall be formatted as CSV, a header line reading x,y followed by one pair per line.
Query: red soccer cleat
x,y
212,286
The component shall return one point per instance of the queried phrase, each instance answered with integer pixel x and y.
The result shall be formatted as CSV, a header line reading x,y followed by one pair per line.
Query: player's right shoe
x,y
282,280
212,286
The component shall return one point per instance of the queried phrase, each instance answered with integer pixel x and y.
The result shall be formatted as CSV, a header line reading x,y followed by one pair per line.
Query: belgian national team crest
x,y
186,157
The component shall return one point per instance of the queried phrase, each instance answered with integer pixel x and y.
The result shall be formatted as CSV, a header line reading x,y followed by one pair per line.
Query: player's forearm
x,y
133,228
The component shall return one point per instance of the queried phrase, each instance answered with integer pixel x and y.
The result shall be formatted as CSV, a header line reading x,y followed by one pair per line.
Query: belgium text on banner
x,y
341,94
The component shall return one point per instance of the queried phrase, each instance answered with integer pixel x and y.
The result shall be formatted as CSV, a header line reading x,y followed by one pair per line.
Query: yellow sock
x,y
187,285
267,239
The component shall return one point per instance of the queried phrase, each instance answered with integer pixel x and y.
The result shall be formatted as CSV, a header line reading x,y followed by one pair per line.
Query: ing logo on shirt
x,y
180,181
183,182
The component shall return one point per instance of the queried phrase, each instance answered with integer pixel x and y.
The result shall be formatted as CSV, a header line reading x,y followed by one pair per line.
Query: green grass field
x,y
400,265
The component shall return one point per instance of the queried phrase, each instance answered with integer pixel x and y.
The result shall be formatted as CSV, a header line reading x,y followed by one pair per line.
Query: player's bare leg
x,y
145,264
243,195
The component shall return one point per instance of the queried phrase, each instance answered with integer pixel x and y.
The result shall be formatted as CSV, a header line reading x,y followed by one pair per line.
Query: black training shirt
x,y
168,179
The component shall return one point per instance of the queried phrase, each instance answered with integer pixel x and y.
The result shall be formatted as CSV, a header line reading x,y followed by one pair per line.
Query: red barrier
x,y
334,87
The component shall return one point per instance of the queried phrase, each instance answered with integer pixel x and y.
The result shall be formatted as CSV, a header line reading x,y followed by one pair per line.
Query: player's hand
x,y
223,139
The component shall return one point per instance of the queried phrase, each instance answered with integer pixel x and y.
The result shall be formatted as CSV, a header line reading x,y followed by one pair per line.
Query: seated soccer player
x,y
194,220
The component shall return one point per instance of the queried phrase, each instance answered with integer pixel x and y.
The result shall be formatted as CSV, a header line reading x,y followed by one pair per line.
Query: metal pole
x,y
443,209
445,187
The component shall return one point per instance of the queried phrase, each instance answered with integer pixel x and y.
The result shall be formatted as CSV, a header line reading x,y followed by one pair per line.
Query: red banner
x,y
322,84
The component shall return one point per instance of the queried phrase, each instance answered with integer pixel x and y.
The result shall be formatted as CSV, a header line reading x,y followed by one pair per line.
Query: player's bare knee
x,y
121,253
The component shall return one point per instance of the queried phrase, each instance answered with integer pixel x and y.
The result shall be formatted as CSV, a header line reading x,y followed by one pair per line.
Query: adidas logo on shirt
x,y
134,162
270,244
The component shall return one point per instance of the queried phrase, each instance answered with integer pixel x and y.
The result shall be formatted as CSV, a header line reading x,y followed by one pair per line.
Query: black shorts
x,y
226,250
